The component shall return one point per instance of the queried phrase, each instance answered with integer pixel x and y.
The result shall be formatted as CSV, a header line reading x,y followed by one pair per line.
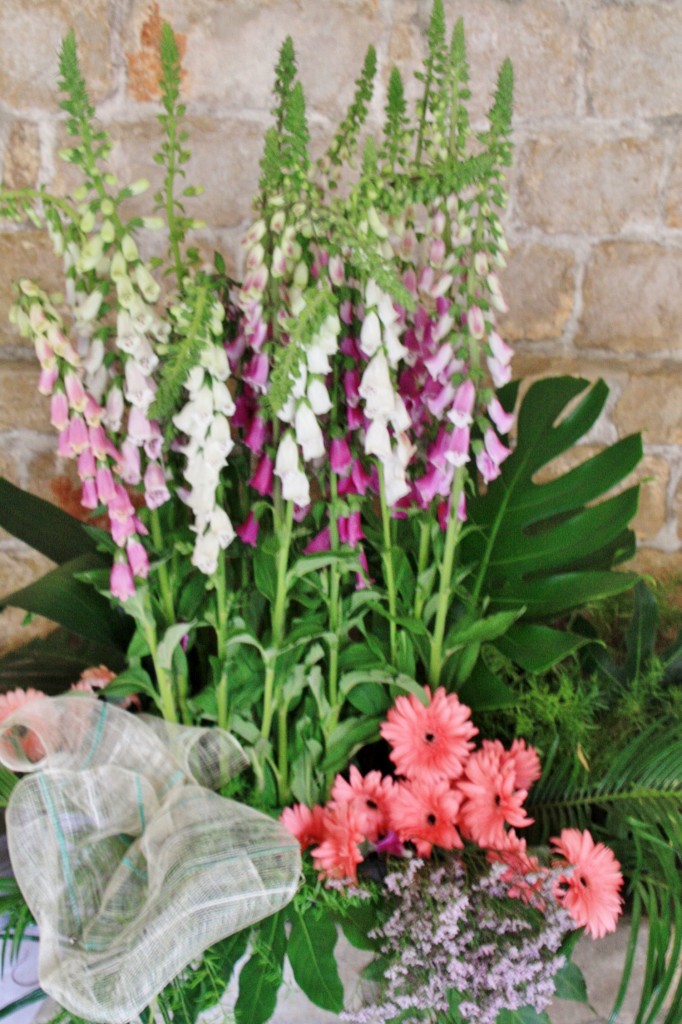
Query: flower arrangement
x,y
305,503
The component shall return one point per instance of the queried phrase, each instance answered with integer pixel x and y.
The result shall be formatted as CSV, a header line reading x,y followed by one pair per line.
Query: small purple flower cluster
x,y
456,936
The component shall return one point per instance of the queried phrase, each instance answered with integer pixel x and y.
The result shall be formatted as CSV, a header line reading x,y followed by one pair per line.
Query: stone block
x,y
673,192
652,402
662,565
232,47
632,299
578,182
25,254
13,632
22,156
634,60
30,39
540,38
22,408
538,284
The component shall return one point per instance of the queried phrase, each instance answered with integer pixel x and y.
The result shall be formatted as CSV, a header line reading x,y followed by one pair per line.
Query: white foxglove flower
x,y
205,554
195,381
146,283
222,399
286,460
400,417
395,350
377,389
214,359
221,526
318,396
295,487
194,419
89,309
317,360
378,440
308,433
139,389
395,482
370,334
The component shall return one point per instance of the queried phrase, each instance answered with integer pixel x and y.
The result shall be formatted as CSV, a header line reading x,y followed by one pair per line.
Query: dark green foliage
x,y
41,525
394,151
77,104
191,335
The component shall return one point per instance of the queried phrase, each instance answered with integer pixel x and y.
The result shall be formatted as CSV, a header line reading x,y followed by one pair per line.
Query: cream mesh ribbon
x,y
129,862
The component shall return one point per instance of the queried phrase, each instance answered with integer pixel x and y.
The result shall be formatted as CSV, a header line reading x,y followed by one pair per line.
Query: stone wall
x,y
594,281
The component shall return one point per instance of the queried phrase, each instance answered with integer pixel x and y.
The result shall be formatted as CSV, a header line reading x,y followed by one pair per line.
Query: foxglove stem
x,y
334,600
420,593
162,569
387,558
222,610
446,569
163,678
271,700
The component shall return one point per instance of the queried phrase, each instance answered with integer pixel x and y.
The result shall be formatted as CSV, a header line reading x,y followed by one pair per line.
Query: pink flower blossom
x,y
320,542
59,410
431,740
338,855
492,798
137,558
248,531
156,492
121,582
503,420
261,480
305,823
424,812
370,798
591,891
340,457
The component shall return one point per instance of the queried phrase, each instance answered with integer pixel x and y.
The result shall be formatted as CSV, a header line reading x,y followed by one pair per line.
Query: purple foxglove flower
x,y
475,322
256,372
113,413
75,392
438,449
153,446
47,379
137,558
244,409
437,252
261,480
360,477
130,470
410,281
503,420
89,494
248,531
429,485
106,488
86,464
320,542
121,582
256,435
78,435
156,492
59,410
346,312
93,412
500,350
488,469
438,363
122,528
458,450
99,443
363,579
441,400
500,374
258,334
463,404
340,457
497,451
355,418
350,529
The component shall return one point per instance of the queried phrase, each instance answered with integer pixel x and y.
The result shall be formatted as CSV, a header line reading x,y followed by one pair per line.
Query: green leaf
x,y
481,630
537,648
526,1015
41,525
171,638
569,983
357,922
483,691
348,737
641,635
311,954
19,1004
370,699
265,573
261,976
8,781
77,607
133,681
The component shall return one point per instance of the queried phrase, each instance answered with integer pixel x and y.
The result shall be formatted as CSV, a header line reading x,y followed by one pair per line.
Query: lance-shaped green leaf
x,y
41,525
261,976
79,608
311,954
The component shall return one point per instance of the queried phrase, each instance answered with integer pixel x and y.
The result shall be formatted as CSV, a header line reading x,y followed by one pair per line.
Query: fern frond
x,y
192,334
319,305
396,127
458,77
77,102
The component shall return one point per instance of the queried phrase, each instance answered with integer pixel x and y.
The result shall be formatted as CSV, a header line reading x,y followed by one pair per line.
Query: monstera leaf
x,y
59,595
548,548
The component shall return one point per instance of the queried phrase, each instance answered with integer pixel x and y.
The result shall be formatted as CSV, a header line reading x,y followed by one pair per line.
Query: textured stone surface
x,y
633,63
540,38
232,47
633,298
581,183
22,408
22,156
539,285
652,403
30,38
24,254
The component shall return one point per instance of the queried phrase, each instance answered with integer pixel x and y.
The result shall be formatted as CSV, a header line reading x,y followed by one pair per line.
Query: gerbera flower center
x,y
429,737
431,819
371,804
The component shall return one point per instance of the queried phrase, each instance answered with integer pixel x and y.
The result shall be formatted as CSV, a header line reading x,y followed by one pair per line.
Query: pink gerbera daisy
x,y
525,874
526,762
424,812
370,798
591,891
338,855
429,740
15,699
305,823
492,799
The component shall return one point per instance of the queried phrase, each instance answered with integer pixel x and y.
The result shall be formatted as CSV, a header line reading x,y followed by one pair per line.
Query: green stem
x,y
284,531
387,558
222,614
11,195
420,593
171,170
446,570
163,679
162,569
334,599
